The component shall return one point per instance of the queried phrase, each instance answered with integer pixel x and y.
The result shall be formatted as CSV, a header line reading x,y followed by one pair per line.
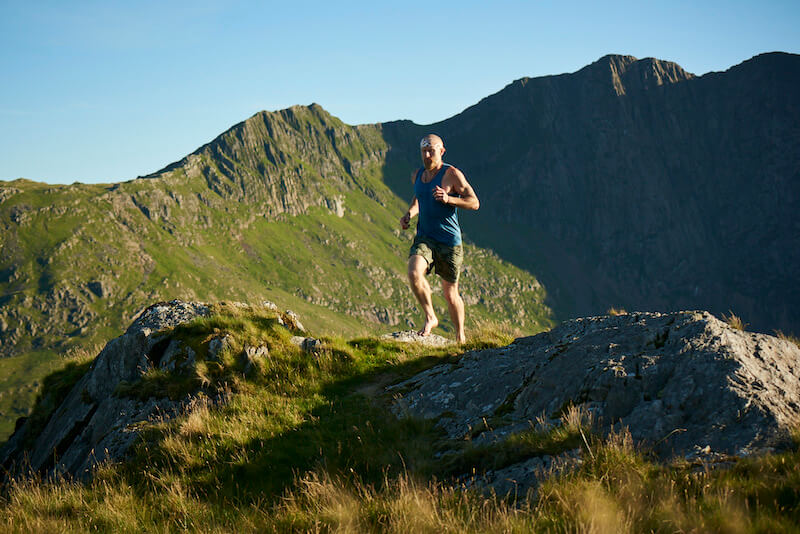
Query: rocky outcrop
x,y
681,382
94,423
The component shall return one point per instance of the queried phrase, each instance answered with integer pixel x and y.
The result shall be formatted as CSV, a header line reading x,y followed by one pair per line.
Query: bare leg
x,y
456,306
422,290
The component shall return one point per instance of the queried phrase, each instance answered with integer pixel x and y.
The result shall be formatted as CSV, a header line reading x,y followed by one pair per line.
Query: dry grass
x,y
617,311
403,505
615,490
734,321
498,333
788,337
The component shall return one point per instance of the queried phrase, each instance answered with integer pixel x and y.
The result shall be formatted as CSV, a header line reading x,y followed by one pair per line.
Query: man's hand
x,y
441,195
405,220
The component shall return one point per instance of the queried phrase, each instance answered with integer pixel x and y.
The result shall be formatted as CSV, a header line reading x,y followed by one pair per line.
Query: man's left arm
x,y
454,181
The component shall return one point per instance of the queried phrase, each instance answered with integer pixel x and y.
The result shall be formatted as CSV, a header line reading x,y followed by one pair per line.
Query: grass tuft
x,y
788,337
734,321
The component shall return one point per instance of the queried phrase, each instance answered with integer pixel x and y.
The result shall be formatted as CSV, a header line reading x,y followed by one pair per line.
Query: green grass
x,y
539,440
55,388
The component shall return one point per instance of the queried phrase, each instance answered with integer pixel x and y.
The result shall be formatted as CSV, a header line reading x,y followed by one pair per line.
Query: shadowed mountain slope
x,y
633,183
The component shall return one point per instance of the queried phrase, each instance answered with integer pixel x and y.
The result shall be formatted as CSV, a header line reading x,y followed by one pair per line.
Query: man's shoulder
x,y
452,172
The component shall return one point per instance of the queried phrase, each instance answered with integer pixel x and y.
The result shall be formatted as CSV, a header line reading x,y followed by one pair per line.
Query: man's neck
x,y
434,169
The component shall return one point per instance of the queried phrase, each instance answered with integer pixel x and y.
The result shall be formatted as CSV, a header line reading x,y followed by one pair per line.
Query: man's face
x,y
431,151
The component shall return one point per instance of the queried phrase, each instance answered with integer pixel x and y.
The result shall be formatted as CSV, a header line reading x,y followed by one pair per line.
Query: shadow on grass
x,y
349,435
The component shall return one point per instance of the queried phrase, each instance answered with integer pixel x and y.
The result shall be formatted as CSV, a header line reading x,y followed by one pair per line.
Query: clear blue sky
x,y
104,91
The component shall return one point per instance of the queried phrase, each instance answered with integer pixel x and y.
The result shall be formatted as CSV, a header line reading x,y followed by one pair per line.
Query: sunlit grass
x,y
734,321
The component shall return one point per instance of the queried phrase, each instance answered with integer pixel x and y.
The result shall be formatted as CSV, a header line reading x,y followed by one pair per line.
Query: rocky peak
x,y
627,73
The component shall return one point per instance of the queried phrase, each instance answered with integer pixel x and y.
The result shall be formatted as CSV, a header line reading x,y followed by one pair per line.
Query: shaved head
x,y
431,140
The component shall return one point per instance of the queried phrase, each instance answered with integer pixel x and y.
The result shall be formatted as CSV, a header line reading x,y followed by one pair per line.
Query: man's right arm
x,y
413,208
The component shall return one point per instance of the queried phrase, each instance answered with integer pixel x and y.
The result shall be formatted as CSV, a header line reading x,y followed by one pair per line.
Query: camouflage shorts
x,y
442,259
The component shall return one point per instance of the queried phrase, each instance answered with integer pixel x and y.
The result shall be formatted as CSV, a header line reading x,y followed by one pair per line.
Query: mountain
x,y
629,183
633,183
288,206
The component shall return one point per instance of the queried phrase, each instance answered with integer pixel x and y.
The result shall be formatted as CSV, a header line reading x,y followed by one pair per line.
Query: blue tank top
x,y
436,221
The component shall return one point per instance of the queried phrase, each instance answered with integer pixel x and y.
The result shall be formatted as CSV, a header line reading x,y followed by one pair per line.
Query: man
x,y
439,189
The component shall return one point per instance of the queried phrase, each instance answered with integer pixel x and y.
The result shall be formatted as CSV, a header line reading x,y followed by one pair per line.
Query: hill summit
x,y
681,382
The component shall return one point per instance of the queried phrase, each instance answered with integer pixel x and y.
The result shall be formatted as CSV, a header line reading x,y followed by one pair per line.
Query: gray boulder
x,y
307,344
294,321
253,357
217,345
410,336
679,381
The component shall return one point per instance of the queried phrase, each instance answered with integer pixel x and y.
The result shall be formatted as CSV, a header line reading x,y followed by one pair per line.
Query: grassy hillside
x,y
289,207
307,443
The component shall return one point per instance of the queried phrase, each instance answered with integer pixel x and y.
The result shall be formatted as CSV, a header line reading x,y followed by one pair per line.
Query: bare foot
x,y
430,324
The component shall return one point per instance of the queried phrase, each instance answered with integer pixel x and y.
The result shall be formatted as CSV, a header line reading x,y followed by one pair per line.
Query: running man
x,y
439,189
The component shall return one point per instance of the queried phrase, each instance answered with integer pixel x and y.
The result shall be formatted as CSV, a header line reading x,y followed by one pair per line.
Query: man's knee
x,y
417,267
450,291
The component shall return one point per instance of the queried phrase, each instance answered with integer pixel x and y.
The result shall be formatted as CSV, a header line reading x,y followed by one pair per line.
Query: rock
x,y
99,288
294,321
252,357
169,358
178,356
336,205
217,345
307,344
515,480
269,305
92,424
676,380
410,336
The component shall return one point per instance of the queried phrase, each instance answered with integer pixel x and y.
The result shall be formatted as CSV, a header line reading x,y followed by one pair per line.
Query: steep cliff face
x,y
633,183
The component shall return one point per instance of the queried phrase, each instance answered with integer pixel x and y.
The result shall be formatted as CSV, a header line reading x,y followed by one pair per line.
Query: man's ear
x,y
443,150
